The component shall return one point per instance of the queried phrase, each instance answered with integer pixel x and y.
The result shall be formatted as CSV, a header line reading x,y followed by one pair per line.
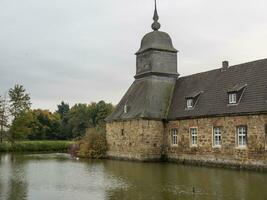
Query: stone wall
x,y
255,154
146,140
135,139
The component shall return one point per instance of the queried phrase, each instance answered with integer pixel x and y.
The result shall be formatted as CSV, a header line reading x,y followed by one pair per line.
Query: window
x,y
193,133
174,137
125,109
266,136
189,103
232,98
217,137
122,132
242,136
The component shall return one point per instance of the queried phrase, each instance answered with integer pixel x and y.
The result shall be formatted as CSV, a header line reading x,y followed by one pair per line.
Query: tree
x,y
78,120
19,100
63,109
21,126
99,112
44,125
3,116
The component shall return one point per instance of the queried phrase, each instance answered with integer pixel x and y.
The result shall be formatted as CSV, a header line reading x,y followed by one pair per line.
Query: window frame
x,y
232,100
193,142
216,135
174,137
243,135
189,103
125,109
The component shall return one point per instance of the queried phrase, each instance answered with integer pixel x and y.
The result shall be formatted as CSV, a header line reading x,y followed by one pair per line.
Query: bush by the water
x,y
31,146
93,144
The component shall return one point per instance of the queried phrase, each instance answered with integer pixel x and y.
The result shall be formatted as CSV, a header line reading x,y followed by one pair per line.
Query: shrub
x,y
93,144
32,146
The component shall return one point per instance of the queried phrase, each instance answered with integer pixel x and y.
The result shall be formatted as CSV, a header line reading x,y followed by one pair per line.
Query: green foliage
x,y
63,109
19,100
3,117
45,125
93,144
65,124
20,127
82,116
98,112
36,146
78,120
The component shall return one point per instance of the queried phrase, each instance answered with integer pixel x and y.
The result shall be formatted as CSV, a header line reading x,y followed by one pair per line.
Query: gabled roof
x,y
215,85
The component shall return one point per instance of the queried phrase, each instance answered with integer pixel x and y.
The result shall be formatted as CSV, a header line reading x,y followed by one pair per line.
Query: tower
x,y
135,130
156,56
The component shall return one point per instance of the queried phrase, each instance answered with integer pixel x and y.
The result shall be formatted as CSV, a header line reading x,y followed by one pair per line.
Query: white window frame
x,y
125,109
241,136
174,137
232,98
189,103
217,136
193,137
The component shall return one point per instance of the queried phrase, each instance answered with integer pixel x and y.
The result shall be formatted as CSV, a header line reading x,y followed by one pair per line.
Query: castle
x,y
218,117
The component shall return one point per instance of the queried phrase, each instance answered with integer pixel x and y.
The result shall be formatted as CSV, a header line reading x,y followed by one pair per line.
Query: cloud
x,y
83,51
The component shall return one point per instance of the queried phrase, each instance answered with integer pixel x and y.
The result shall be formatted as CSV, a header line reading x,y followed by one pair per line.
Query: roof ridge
x,y
232,66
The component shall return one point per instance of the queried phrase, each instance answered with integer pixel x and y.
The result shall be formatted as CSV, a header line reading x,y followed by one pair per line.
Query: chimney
x,y
225,65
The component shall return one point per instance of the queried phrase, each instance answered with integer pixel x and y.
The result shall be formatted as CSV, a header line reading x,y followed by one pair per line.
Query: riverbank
x,y
36,146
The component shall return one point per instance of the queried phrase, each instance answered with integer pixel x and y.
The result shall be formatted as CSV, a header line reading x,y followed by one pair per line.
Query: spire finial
x,y
156,25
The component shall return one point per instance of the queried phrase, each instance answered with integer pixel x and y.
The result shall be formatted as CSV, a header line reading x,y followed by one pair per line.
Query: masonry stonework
x,y
135,139
253,155
151,140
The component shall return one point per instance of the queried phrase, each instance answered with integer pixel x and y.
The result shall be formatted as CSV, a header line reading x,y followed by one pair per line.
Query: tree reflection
x,y
13,182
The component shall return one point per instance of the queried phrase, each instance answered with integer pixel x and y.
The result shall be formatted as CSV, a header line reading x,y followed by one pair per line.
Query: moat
x,y
57,176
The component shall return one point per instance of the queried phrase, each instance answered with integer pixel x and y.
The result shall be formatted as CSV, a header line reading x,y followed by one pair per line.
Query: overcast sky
x,y
81,51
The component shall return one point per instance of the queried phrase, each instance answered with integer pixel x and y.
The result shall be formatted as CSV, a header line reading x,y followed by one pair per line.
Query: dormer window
x,y
190,103
192,100
232,98
125,109
235,94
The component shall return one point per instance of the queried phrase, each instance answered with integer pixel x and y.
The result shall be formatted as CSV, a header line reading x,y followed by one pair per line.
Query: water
x,y
57,176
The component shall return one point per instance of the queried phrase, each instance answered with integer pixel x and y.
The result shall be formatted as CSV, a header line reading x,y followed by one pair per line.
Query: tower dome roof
x,y
157,40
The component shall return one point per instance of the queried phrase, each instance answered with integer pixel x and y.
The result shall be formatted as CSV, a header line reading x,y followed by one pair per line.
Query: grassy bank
x,y
32,146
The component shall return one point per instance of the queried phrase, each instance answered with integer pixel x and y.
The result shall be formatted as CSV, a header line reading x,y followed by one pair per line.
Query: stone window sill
x,y
217,147
241,148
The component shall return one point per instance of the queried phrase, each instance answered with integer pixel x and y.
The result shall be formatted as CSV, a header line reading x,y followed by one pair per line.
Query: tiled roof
x,y
214,87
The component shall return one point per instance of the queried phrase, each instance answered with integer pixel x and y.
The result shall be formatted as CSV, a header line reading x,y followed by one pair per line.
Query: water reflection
x,y
57,176
171,181
13,183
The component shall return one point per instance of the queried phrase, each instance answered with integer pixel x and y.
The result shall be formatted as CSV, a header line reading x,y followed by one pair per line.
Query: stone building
x,y
218,117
